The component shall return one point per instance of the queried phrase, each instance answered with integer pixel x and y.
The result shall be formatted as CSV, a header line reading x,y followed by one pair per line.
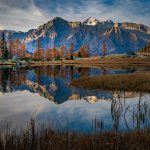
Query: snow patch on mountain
x,y
91,22
119,37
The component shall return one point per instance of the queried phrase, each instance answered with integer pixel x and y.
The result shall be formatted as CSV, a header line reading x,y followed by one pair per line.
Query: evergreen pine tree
x,y
3,48
79,54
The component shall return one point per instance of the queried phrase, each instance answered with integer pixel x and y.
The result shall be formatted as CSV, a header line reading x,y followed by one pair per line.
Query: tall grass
x,y
47,139
139,82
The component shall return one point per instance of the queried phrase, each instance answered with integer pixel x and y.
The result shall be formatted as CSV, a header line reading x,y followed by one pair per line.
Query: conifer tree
x,y
71,50
3,48
104,49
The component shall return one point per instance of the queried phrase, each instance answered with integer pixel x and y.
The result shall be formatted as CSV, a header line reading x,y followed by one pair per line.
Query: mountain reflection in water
x,y
36,93
52,82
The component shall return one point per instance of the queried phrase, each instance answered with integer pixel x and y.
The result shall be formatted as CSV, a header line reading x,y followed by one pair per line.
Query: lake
x,y
46,95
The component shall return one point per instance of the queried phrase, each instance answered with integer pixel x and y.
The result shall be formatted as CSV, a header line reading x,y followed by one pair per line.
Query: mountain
x,y
119,37
10,34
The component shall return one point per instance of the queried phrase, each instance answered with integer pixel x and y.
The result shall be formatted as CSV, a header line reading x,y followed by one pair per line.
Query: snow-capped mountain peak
x,y
91,21
119,37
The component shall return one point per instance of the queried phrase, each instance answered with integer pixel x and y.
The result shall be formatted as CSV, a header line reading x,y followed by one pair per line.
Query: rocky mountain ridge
x,y
119,37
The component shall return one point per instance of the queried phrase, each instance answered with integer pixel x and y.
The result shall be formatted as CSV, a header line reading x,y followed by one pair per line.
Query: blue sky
x,y
26,14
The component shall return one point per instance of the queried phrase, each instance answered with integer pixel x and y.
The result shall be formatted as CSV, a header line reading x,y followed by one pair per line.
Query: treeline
x,y
63,53
10,79
3,48
17,49
146,49
12,48
59,53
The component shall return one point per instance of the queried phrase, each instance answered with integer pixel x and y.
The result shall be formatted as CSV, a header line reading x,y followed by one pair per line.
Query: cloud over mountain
x,y
26,14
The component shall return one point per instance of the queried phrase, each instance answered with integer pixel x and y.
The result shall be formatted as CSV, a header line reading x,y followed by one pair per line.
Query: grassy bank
x,y
139,82
109,61
47,139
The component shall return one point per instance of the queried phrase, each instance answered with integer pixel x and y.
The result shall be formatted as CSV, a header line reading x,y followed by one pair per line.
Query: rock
x,y
53,87
74,97
91,99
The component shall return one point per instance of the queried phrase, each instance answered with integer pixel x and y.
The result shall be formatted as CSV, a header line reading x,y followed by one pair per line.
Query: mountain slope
x,y
119,37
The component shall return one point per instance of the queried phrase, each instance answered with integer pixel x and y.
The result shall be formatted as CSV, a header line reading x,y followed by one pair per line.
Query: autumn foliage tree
x,y
48,54
11,48
36,53
68,54
62,51
76,54
84,51
39,52
55,54
146,49
104,49
22,52
17,47
71,50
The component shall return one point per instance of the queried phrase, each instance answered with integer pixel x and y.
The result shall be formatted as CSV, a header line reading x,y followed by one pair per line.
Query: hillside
x,y
119,37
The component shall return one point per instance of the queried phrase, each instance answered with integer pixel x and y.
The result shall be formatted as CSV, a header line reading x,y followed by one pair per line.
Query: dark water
x,y
45,94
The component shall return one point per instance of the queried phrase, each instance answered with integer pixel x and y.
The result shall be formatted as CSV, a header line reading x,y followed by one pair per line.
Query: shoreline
x,y
95,62
47,138
137,82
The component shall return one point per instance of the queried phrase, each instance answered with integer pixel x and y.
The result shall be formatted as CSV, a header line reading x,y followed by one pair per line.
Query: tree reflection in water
x,y
53,83
10,79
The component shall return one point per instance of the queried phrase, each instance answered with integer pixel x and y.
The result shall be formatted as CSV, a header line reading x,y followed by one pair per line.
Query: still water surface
x,y
45,94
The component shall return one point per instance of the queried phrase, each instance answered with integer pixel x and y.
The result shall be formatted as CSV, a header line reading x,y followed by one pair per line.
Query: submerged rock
x,y
74,97
91,99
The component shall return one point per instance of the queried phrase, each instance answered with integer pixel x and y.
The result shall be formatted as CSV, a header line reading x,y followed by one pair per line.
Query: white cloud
x,y
22,19
1,27
126,10
17,18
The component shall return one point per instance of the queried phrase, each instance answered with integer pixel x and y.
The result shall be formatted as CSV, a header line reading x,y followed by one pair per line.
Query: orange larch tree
x,y
55,53
48,54
62,51
41,54
68,54
11,48
23,49
104,49
38,52
84,51
17,47
71,49
35,55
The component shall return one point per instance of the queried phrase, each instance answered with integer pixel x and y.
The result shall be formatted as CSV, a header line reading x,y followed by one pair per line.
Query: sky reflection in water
x,y
43,92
